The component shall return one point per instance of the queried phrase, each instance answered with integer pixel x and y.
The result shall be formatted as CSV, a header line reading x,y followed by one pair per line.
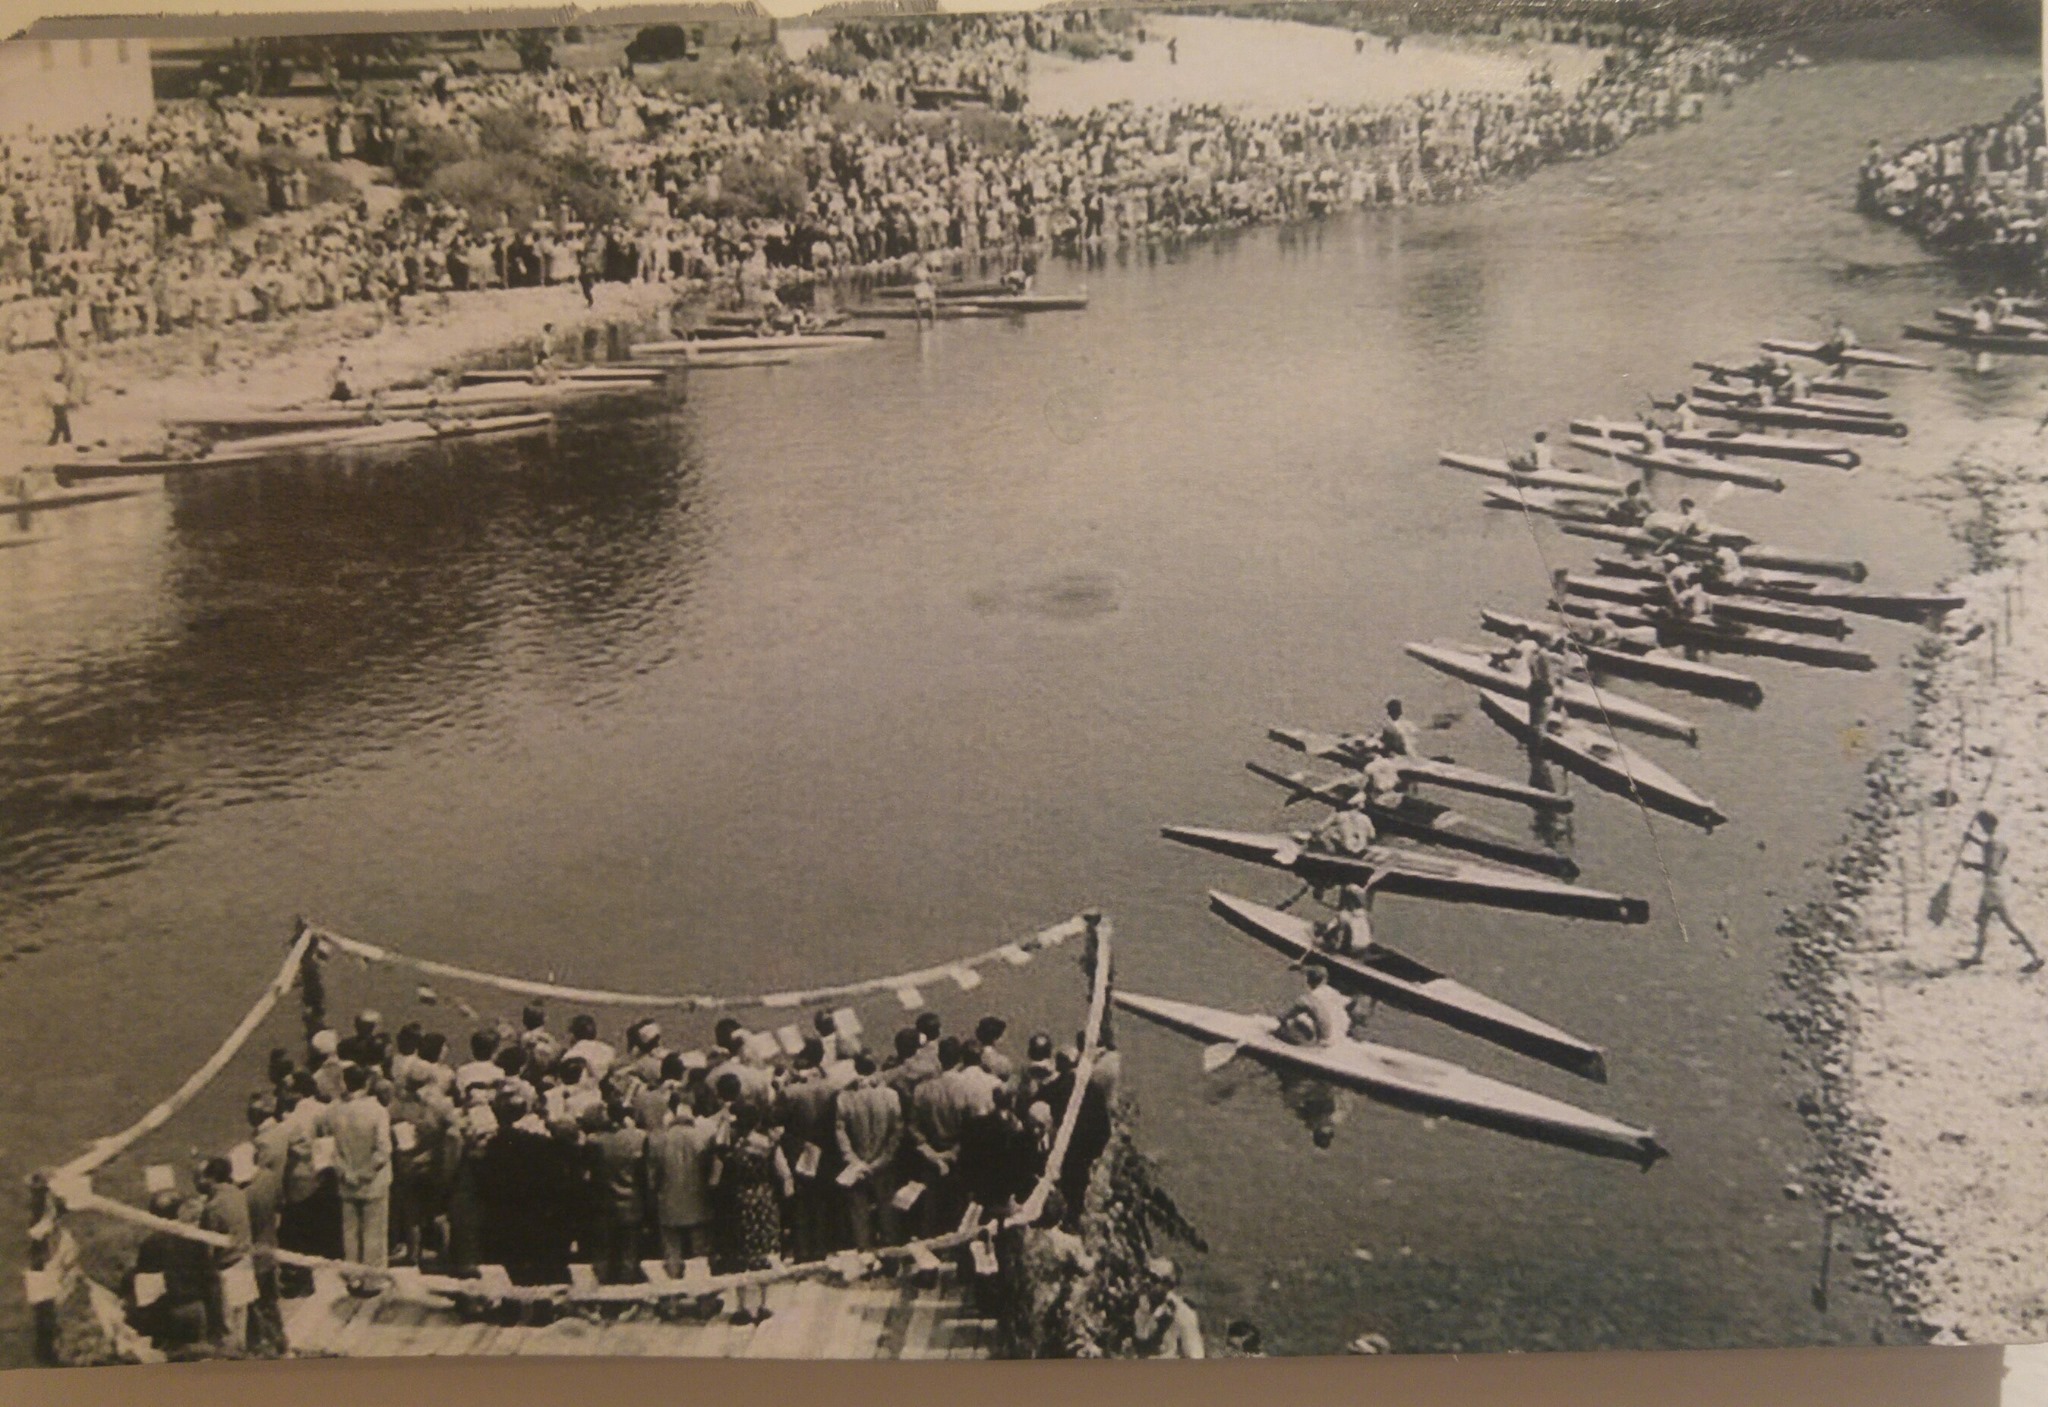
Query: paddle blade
x,y
1215,1057
1937,904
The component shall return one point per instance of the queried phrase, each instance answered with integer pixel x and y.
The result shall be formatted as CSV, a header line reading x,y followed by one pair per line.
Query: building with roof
x,y
54,84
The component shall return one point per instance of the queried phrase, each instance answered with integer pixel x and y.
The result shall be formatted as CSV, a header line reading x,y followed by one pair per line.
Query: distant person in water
x,y
1993,855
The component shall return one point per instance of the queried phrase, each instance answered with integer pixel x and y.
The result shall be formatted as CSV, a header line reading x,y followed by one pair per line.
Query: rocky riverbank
x,y
1931,1097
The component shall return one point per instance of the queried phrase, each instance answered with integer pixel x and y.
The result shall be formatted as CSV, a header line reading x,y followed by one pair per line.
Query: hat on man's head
x,y
324,1041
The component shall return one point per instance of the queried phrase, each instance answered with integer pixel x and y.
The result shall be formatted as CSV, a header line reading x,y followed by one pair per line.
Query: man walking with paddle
x,y
1992,856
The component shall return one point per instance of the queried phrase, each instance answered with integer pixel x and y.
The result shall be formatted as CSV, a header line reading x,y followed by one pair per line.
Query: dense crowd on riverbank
x,y
102,237
1979,192
545,1148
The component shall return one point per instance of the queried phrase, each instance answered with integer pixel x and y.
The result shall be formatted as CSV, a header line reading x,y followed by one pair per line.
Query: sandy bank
x,y
1274,65
131,386
1933,1098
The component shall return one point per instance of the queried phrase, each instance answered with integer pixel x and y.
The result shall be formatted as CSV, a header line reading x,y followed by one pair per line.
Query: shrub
x,y
422,151
323,181
768,186
241,195
510,131
660,43
992,131
536,49
1084,45
516,188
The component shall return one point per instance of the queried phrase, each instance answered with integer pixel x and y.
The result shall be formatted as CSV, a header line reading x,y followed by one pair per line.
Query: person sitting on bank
x,y
1320,1016
343,387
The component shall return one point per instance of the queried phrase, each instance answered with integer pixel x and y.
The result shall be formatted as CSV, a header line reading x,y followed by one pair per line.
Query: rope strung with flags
x,y
964,971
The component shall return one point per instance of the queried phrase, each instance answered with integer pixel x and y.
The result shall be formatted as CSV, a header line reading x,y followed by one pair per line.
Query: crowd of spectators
x,y
535,1149
112,234
1979,192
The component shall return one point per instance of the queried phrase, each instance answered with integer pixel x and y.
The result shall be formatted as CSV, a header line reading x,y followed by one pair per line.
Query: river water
x,y
848,665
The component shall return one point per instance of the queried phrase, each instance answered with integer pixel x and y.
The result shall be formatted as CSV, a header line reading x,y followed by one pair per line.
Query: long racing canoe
x,y
1751,554
1709,445
1785,417
1418,818
1566,479
1704,391
1910,607
1404,1080
574,375
1731,640
2015,343
1447,879
1737,610
780,342
1394,979
1852,356
396,432
1630,659
1579,699
1820,386
1605,762
1964,318
1351,750
1599,437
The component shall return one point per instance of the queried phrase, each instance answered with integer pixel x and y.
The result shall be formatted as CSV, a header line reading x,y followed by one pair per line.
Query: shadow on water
x,y
313,613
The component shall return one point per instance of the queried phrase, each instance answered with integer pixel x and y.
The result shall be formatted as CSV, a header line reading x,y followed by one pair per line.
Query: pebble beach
x,y
1932,1078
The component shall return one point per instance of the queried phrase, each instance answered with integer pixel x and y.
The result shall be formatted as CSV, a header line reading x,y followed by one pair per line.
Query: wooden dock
x,y
874,1319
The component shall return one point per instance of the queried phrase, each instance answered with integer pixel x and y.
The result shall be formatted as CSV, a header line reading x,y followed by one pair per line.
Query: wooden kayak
x,y
1732,640
1853,356
1351,750
1566,479
1967,320
1751,554
1794,418
250,451
740,342
1756,396
1607,764
1449,879
505,396
1579,699
1644,663
1685,463
1394,979
1403,1080
987,289
1728,610
575,375
1910,607
945,312
1548,503
1821,386
1418,818
41,502
733,361
720,335
2015,343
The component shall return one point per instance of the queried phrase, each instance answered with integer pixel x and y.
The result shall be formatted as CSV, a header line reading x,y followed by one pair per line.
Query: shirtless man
x,y
1349,930
1993,855
1320,1016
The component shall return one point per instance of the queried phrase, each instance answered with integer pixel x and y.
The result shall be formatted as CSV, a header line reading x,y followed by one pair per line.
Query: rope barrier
x,y
70,1190
1016,953
106,1149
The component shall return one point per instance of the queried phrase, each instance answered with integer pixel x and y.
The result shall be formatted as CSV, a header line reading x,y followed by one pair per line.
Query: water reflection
x,y
313,612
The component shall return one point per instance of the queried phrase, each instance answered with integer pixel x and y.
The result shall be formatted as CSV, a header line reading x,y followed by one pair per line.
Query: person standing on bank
x,y
1993,855
57,396
361,1130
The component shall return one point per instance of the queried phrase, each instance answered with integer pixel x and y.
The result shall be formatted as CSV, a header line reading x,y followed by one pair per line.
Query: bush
x,y
323,181
1084,45
770,186
241,195
536,49
511,131
660,43
515,188
420,152
991,131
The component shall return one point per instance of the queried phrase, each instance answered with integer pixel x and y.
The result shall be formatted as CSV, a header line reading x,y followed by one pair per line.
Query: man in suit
x,y
361,1130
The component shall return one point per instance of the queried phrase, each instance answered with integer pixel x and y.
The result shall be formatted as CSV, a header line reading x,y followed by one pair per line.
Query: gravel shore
x,y
1931,1096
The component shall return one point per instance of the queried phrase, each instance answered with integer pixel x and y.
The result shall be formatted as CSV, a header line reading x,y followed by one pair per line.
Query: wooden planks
x,y
813,1320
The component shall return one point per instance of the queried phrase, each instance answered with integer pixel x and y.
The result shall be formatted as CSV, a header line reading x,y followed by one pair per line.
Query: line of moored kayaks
x,y
1615,622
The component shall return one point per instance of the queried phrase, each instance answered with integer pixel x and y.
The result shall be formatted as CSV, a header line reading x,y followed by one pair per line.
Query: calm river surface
x,y
843,666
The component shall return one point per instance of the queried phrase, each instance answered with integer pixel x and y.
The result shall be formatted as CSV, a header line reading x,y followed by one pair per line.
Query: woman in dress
x,y
755,1178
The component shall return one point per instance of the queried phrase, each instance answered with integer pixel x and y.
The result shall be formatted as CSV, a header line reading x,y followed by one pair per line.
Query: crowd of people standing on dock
x,y
534,1148
1980,191
101,237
